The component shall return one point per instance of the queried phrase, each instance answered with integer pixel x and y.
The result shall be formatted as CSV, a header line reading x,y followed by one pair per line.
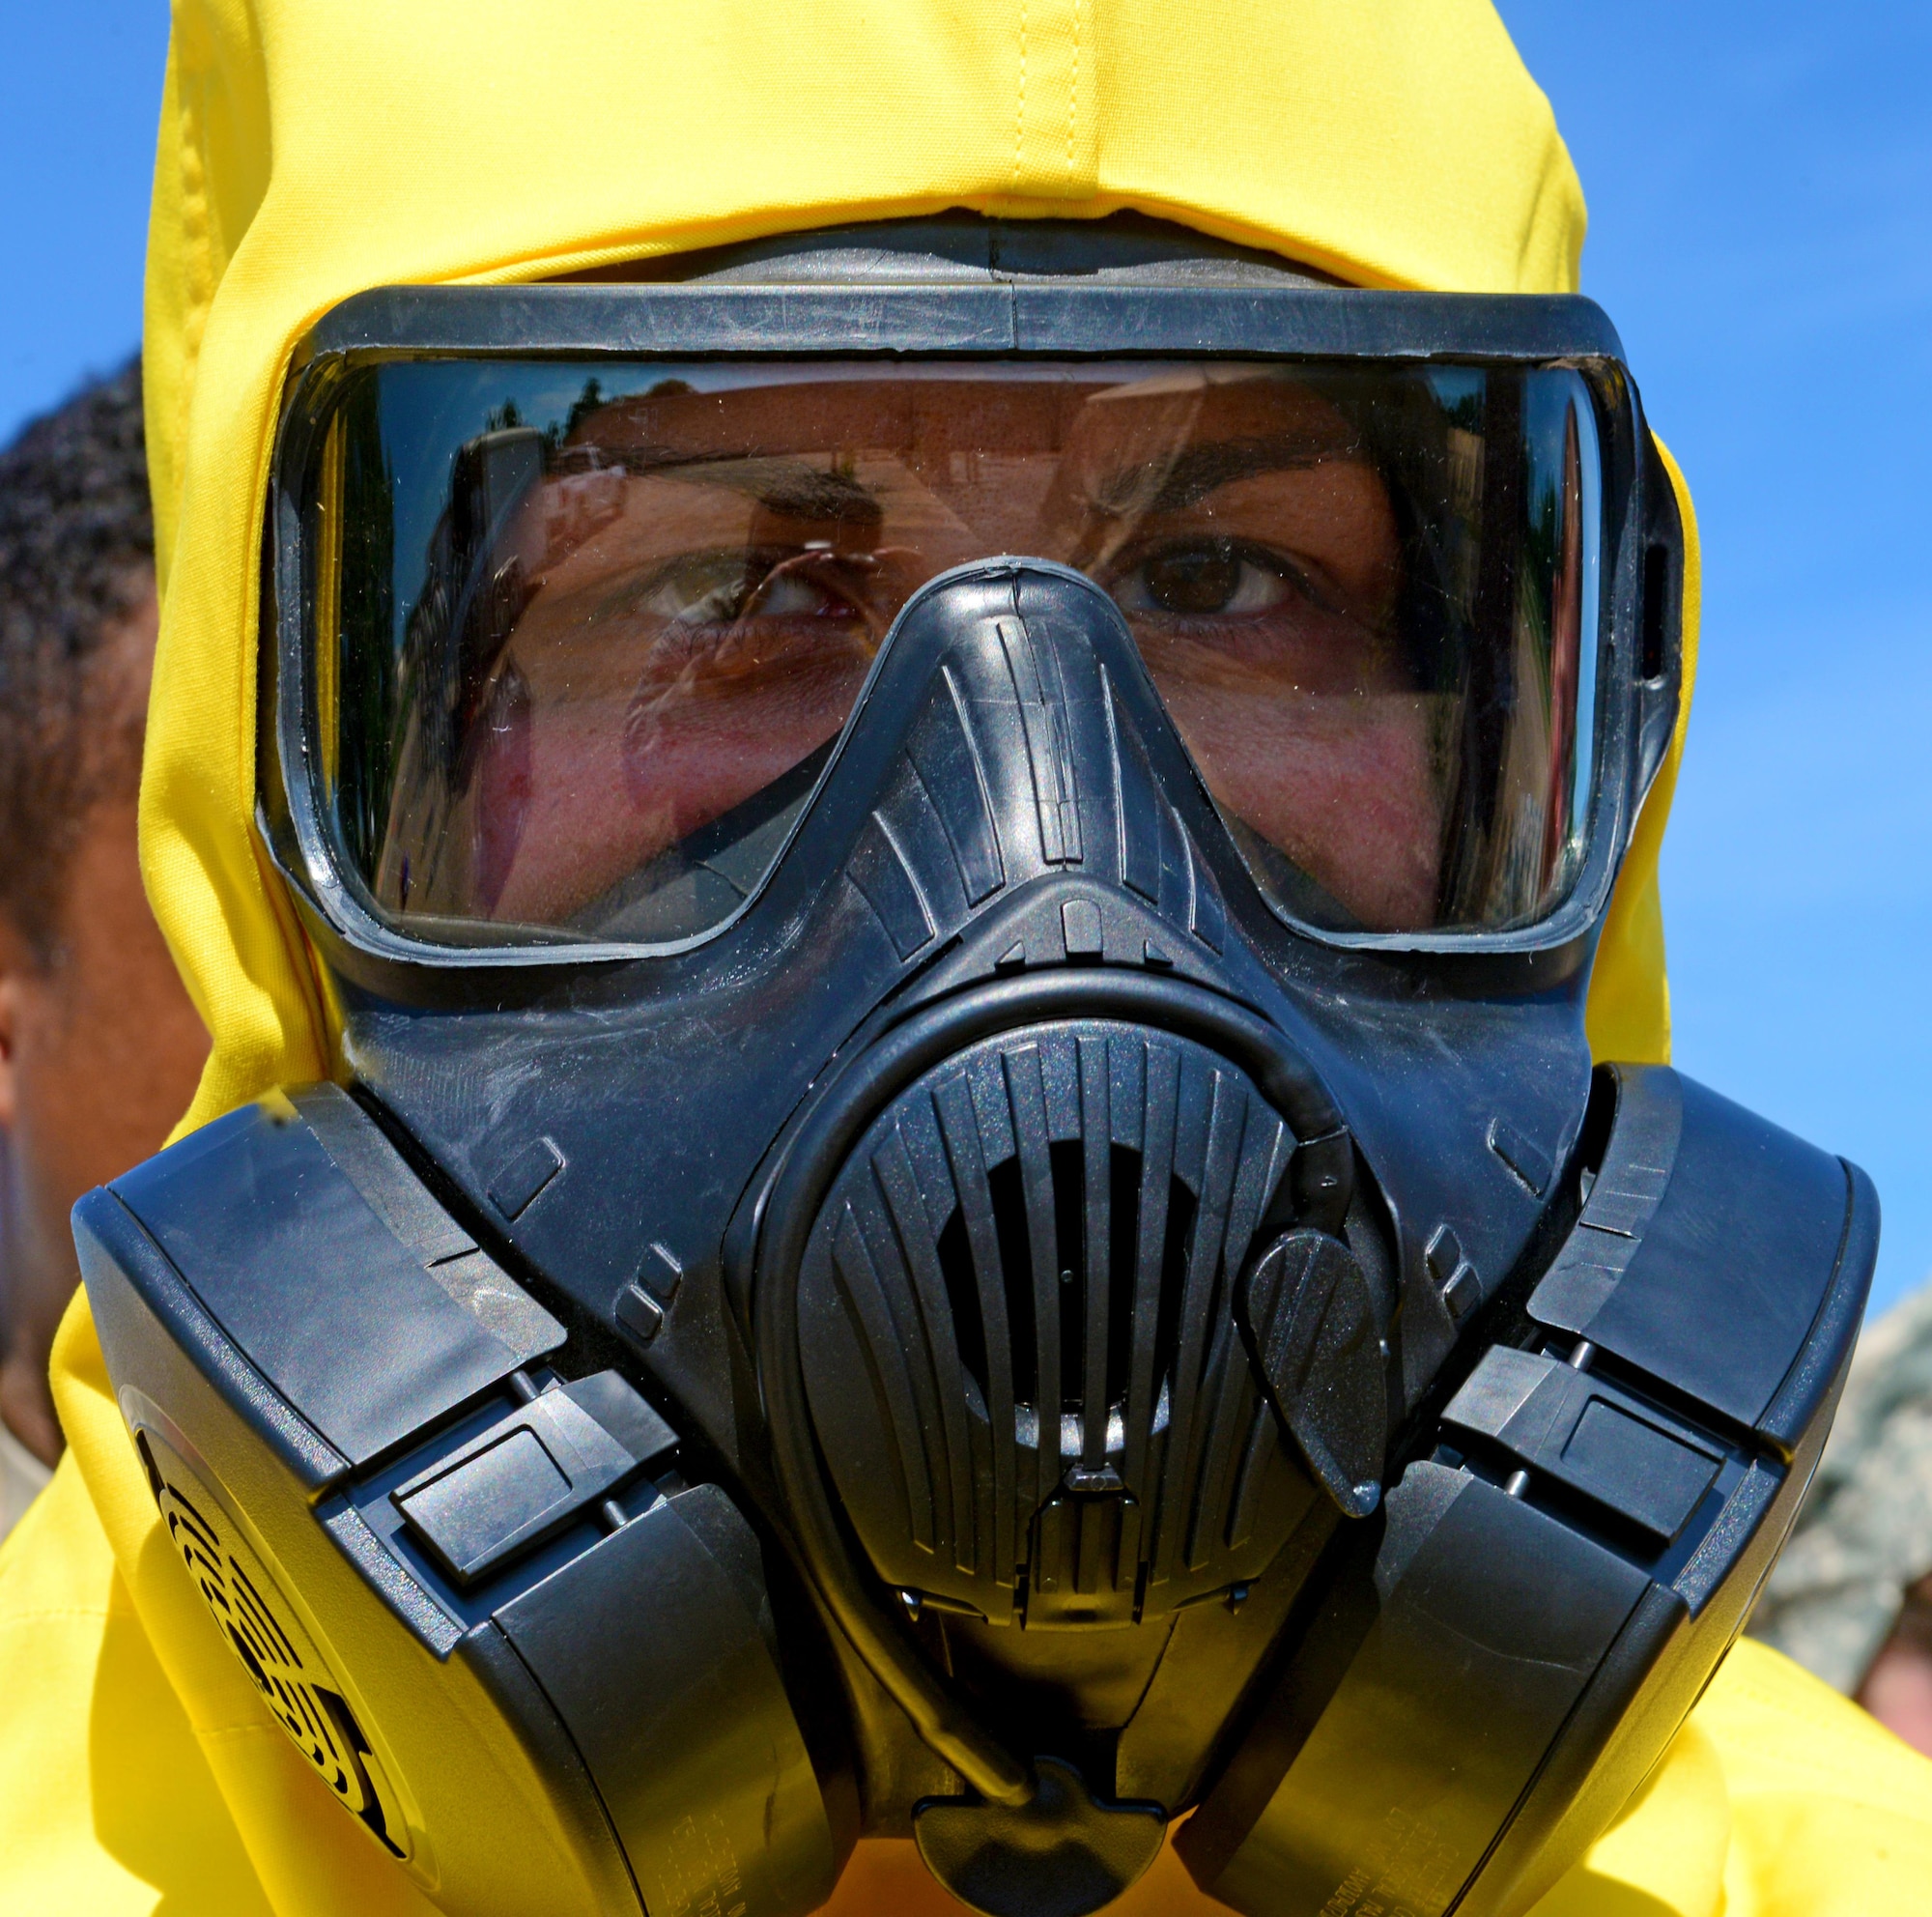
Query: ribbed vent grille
x,y
1018,1335
261,1628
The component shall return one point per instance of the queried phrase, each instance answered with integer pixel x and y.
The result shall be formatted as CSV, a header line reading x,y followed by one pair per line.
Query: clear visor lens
x,y
581,640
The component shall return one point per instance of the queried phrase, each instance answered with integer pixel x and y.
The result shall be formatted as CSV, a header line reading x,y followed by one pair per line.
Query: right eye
x,y
723,588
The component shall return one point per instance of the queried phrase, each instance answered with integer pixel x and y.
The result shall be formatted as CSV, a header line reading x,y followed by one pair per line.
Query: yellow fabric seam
x,y
1019,112
226,1734
198,246
1074,92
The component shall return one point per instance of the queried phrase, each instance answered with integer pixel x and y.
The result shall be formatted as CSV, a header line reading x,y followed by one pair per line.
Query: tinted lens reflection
x,y
592,637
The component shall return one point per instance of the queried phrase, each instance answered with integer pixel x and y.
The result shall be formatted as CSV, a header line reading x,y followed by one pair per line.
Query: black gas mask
x,y
960,866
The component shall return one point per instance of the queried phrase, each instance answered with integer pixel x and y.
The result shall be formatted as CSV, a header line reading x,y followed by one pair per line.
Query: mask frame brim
x,y
1638,667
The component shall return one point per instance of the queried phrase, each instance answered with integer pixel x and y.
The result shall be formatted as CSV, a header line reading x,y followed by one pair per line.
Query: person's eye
x,y
792,592
1205,578
721,589
700,589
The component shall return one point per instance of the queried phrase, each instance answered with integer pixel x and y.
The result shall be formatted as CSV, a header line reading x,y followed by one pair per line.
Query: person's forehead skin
x,y
1106,431
919,416
109,953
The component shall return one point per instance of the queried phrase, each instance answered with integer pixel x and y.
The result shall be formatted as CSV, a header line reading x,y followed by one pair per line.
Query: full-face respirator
x,y
967,1200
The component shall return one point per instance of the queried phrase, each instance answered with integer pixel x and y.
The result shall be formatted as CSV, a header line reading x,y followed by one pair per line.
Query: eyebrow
x,y
1173,485
788,487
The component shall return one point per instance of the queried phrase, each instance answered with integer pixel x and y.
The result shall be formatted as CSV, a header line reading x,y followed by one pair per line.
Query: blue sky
x,y
1760,187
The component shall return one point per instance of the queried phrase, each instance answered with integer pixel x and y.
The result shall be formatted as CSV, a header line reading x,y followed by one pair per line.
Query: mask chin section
x,y
1061,1854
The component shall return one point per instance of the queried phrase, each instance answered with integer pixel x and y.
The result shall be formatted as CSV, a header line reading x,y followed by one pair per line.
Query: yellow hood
x,y
309,151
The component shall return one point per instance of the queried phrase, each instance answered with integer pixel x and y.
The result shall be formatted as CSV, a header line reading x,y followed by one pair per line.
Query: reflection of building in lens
x,y
487,558
1513,839
584,495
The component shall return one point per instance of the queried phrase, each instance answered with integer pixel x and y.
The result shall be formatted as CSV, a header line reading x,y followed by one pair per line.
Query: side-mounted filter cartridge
x,y
535,1664
1505,1649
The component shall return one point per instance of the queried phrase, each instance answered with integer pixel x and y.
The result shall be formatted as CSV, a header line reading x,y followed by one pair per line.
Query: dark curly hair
x,y
76,558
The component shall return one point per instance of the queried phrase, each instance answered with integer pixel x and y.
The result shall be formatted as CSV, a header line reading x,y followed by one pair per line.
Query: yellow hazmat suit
x,y
307,151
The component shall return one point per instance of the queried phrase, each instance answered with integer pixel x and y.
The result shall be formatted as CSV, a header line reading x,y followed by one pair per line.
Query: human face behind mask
x,y
688,599
1239,527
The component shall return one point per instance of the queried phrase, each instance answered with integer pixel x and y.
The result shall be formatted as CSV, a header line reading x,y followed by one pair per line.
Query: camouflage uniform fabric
x,y
1864,1536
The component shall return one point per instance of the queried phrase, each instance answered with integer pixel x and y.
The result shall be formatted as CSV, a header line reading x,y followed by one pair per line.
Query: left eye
x,y
1209,577
798,595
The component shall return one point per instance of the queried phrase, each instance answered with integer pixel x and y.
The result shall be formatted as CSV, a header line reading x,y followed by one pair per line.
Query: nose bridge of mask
x,y
992,747
1012,734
